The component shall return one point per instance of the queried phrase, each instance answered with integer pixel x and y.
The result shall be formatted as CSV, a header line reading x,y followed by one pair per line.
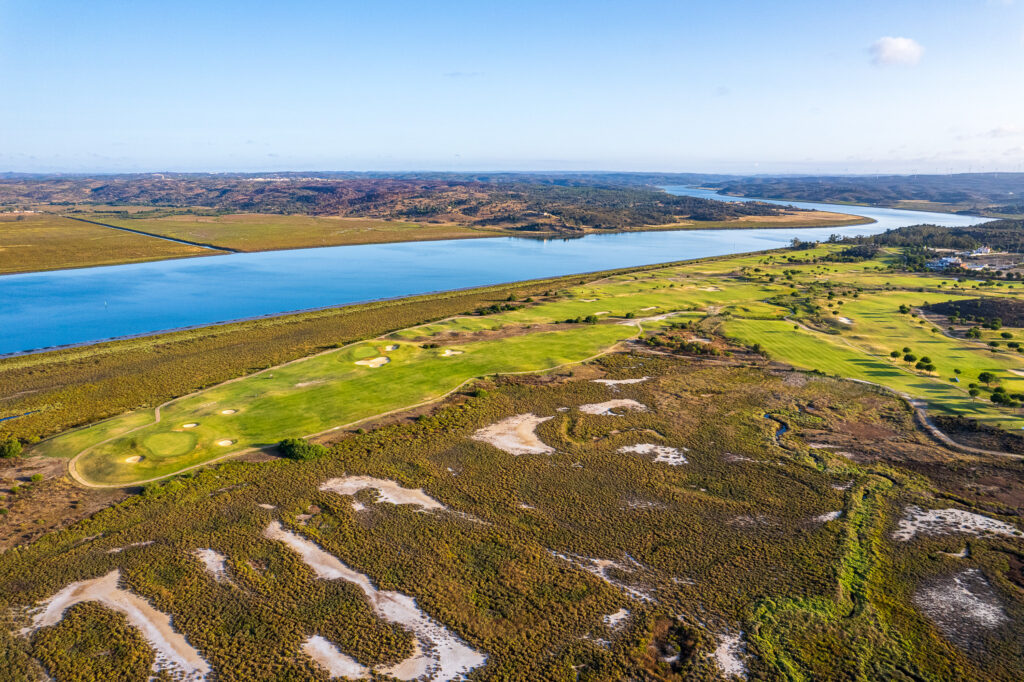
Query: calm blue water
x,y
45,309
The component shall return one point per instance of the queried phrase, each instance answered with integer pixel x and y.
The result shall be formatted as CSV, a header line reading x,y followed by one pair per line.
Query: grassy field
x,y
792,312
255,232
32,242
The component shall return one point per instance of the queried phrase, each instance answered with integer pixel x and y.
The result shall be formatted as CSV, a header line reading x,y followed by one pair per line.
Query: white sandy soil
x,y
615,620
134,459
845,320
173,653
609,405
944,521
118,550
190,425
828,516
449,352
441,656
515,435
226,442
662,453
617,382
729,656
333,661
375,362
961,605
213,562
393,346
600,568
389,491
228,411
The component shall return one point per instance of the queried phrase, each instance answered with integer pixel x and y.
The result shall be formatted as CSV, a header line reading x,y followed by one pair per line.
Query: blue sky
x,y
725,86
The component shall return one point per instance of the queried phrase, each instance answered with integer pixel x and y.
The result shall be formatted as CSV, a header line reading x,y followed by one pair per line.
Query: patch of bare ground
x,y
609,407
388,491
38,507
623,574
964,606
438,654
918,521
174,655
515,435
729,655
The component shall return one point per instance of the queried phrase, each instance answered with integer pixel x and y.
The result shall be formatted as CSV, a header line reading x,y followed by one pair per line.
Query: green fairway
x,y
311,396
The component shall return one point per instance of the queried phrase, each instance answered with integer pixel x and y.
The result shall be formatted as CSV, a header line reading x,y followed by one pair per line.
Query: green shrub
x,y
300,449
10,448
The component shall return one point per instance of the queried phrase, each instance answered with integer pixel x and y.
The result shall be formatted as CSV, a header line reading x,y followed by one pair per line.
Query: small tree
x,y
10,448
986,378
300,449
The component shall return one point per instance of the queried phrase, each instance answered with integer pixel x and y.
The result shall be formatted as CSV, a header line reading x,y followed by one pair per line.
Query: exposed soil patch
x,y
389,491
515,435
333,661
963,606
729,655
607,407
374,362
662,453
945,521
213,562
173,653
439,655
619,382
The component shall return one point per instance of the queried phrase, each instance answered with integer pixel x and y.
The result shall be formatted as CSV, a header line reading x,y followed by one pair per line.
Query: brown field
x,y
30,242
256,232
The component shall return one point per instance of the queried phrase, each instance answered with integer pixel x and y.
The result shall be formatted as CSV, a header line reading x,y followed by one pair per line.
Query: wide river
x,y
62,307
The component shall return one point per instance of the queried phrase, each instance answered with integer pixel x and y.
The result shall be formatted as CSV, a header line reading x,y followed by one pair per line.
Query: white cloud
x,y
890,51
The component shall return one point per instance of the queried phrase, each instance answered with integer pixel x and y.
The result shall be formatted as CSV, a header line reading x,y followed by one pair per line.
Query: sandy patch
x,y
602,569
962,605
650,307
662,453
615,620
190,425
333,661
828,516
603,312
375,362
303,384
1018,372
173,653
609,405
134,459
588,300
619,382
226,442
439,653
449,352
655,318
515,435
358,506
228,411
118,550
213,562
729,656
264,505
845,320
710,289
389,348
944,521
389,491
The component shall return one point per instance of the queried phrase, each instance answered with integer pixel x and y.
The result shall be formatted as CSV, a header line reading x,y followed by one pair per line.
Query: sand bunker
x,y
449,352
173,653
845,320
213,562
333,661
944,521
393,346
438,654
962,606
617,382
228,411
515,435
729,656
650,307
134,459
662,453
389,491
615,620
1018,372
190,425
375,362
226,442
710,289
828,516
609,405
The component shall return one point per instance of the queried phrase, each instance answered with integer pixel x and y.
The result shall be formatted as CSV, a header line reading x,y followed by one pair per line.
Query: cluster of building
x,y
957,261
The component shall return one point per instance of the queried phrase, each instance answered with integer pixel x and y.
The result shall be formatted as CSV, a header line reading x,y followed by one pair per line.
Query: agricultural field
x,y
255,232
41,241
682,518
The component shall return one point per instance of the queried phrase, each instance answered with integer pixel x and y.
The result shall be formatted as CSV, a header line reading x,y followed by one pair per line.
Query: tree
x,y
10,448
300,449
986,378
